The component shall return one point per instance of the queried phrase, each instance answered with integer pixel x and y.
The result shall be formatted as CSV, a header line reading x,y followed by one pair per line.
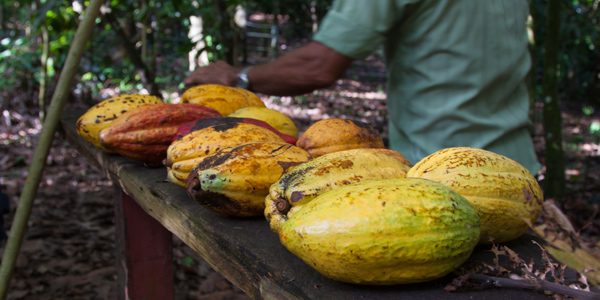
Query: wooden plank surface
x,y
247,252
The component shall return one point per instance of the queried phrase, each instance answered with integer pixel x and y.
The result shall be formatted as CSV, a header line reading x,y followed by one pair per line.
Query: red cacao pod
x,y
144,133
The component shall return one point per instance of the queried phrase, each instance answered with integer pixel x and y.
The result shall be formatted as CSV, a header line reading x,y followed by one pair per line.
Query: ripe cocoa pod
x,y
144,133
331,135
224,99
236,181
187,128
383,232
502,191
275,118
330,171
184,154
102,114
395,154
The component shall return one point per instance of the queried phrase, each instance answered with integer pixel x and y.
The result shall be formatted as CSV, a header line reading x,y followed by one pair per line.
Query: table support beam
x,y
144,253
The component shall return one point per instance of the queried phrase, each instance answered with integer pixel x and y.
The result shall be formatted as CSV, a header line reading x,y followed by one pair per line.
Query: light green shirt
x,y
455,71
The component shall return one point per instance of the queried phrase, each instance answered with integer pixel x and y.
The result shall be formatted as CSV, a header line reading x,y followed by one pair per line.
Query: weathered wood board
x,y
247,252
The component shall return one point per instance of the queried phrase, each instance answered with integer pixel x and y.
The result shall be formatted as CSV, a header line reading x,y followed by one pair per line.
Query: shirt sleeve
x,y
356,28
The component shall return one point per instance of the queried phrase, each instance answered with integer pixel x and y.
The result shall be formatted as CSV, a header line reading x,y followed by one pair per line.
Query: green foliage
x,y
579,55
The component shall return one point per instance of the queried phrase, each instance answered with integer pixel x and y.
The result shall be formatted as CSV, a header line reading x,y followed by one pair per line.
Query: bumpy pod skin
x,y
395,154
144,133
186,128
102,114
184,154
383,232
275,118
502,191
235,182
224,99
332,135
333,170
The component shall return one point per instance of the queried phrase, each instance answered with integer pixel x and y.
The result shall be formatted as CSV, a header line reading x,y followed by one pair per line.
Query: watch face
x,y
242,81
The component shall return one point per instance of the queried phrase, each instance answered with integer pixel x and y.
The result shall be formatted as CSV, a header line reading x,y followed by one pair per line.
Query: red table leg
x,y
144,250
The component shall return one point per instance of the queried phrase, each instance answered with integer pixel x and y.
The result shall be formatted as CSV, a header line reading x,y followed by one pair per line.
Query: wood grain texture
x,y
247,252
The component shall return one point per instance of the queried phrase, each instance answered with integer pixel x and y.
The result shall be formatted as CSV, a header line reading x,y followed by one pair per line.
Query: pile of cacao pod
x,y
335,196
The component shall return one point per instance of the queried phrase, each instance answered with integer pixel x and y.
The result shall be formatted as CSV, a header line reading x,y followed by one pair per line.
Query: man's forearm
x,y
305,69
302,71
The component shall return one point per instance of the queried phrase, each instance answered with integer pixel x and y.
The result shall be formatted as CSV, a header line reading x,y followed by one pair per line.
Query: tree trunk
x,y
554,183
531,76
146,74
226,30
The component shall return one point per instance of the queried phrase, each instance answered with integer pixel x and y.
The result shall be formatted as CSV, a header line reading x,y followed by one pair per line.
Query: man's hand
x,y
219,72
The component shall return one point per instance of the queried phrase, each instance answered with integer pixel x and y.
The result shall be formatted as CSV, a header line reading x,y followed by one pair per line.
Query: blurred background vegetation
x,y
158,32
136,45
149,46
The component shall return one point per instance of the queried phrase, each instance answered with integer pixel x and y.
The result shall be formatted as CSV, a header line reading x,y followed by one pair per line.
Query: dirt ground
x,y
68,251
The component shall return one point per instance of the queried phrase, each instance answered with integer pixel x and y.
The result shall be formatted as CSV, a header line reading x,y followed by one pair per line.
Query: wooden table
x,y
149,210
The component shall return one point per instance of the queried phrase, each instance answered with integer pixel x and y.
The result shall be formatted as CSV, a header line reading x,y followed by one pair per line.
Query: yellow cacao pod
x,y
184,154
224,99
383,232
395,154
237,180
502,191
330,171
102,114
331,135
275,118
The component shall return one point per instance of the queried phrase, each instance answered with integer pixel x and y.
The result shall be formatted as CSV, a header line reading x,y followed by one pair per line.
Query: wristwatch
x,y
242,78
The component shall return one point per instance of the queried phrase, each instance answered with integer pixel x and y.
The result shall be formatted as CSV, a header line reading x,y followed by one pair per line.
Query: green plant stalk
x,y
19,225
554,184
43,73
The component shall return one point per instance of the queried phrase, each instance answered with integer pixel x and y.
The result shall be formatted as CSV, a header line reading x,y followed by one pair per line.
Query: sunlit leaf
x,y
565,244
595,127
580,261
87,76
5,53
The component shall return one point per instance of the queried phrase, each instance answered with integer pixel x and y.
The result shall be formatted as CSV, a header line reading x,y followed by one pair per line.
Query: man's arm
x,y
301,71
